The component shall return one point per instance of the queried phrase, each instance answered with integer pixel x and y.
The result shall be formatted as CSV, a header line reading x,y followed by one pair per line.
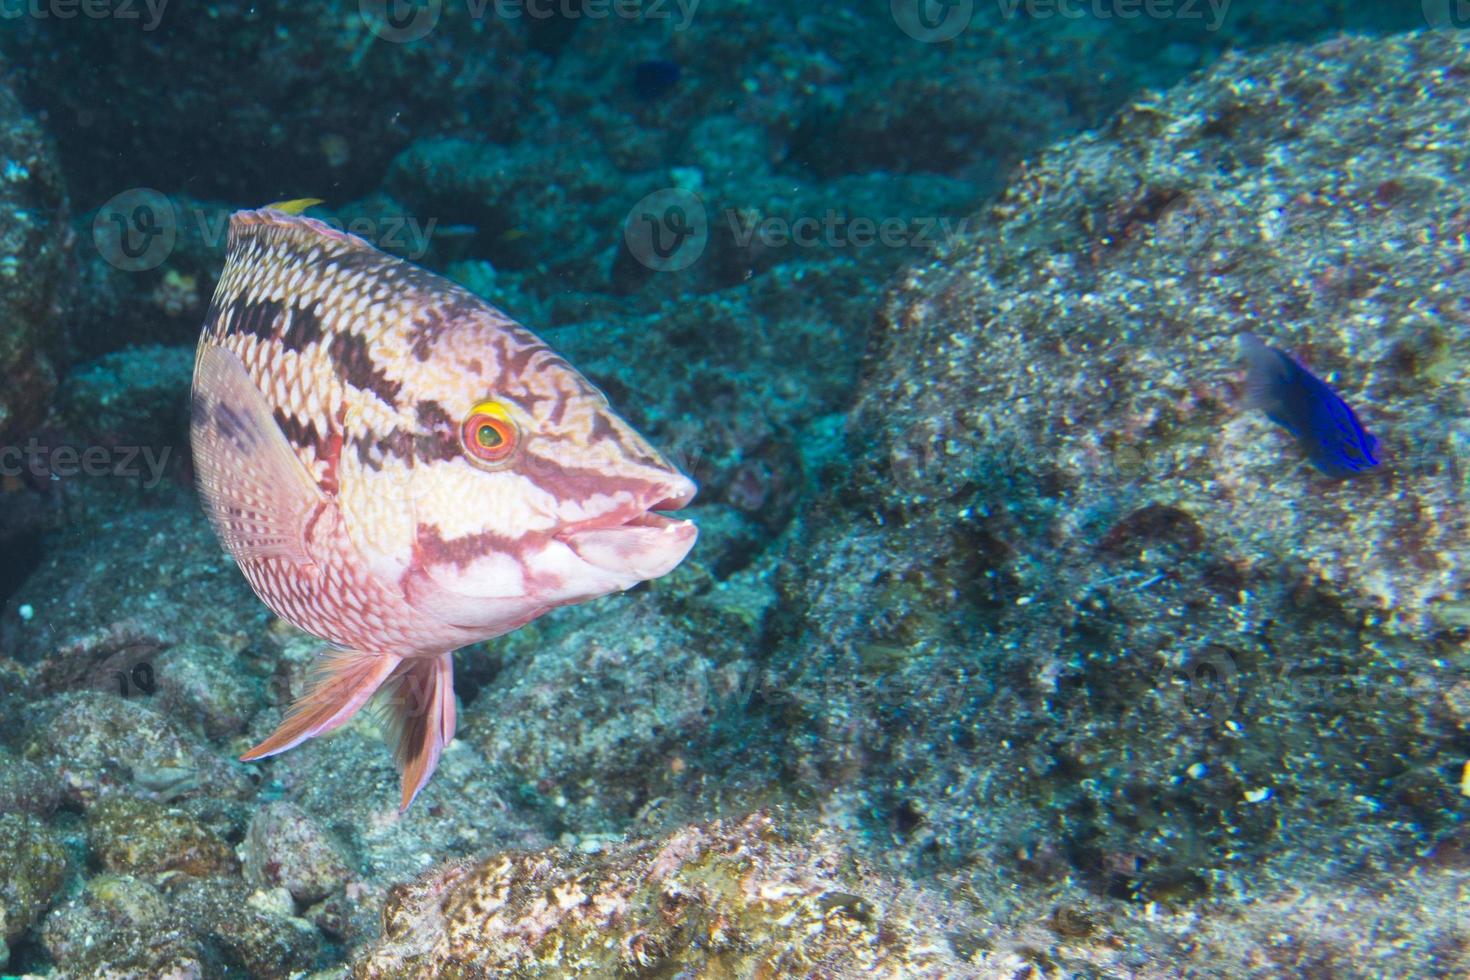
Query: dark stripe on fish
x,y
602,428
355,366
448,308
432,549
409,447
304,329
258,320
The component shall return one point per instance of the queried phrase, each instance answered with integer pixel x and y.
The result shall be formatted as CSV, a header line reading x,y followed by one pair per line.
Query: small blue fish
x,y
1304,405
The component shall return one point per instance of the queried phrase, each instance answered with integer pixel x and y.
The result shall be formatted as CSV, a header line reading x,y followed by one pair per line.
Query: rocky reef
x,y
747,897
1015,643
1110,624
35,266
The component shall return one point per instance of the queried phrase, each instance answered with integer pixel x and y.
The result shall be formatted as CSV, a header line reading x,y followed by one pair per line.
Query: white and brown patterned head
x,y
473,466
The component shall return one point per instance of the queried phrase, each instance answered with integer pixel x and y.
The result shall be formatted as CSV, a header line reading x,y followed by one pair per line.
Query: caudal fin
x,y
420,715
1266,370
345,680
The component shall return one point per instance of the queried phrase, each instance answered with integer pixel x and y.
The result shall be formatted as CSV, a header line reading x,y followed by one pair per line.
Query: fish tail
x,y
344,682
1264,372
420,717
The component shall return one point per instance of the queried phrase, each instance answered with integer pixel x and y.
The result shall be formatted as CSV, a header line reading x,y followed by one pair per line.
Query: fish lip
x,y
643,512
636,544
674,497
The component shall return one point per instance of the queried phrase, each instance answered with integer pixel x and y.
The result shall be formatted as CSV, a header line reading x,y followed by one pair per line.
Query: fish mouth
x,y
637,541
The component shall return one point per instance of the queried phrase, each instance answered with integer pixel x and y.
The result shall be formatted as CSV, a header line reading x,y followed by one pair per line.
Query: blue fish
x,y
655,79
1304,405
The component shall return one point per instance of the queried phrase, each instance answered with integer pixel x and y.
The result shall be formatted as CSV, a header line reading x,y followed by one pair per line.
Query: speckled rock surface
x,y
33,866
140,837
1085,335
593,716
246,933
1106,618
120,926
97,744
287,848
26,787
744,897
35,265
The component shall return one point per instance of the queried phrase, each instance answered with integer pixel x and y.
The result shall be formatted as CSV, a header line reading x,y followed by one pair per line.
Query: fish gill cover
x,y
1029,630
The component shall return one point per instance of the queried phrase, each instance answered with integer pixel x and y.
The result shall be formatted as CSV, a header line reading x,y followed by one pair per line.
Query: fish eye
x,y
489,434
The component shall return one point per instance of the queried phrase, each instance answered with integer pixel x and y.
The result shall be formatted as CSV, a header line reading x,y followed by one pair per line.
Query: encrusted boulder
x,y
745,897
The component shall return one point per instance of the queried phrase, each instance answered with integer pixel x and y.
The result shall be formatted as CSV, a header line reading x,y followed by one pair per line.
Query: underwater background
x,y
1017,641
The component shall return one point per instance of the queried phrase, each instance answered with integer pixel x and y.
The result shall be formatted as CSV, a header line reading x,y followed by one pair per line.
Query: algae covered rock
x,y
140,837
33,866
1076,598
743,897
286,847
1082,343
26,787
119,926
99,744
239,934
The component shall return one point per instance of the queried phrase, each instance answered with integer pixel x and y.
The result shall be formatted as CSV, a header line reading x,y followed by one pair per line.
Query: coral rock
x,y
743,897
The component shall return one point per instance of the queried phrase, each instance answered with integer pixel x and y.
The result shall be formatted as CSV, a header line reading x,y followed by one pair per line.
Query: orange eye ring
x,y
489,434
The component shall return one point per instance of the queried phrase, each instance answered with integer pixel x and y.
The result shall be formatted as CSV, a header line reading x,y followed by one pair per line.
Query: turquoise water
x,y
1036,625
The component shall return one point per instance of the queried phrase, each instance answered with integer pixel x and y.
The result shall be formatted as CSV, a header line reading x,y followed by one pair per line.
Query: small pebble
x,y
26,612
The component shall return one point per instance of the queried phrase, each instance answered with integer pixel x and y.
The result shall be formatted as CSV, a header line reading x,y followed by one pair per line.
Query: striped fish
x,y
400,469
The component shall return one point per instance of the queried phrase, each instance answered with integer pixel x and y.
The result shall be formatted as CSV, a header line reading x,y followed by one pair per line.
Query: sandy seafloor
x,y
1015,643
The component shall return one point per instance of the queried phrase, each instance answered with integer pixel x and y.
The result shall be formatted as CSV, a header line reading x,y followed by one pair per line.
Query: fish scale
x,y
335,391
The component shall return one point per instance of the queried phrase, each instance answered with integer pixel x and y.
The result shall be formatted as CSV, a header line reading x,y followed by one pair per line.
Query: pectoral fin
x,y
344,682
257,492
